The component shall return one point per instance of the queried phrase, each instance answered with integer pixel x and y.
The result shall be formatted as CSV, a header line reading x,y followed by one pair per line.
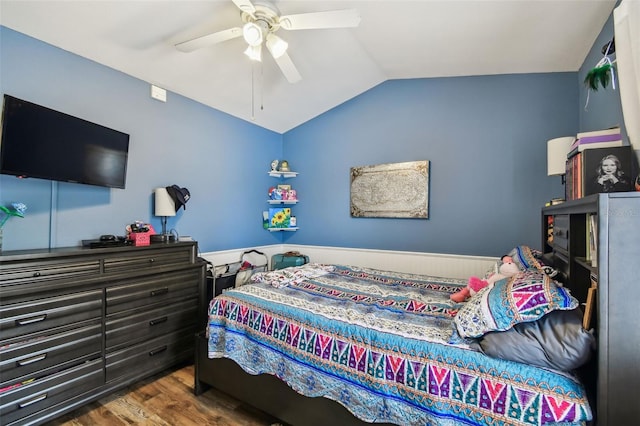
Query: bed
x,y
323,344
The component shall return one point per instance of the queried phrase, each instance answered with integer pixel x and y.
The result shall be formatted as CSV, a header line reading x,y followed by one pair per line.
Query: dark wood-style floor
x,y
166,399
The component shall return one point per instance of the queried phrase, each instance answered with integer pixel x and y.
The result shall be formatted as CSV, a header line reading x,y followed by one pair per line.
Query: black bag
x,y
236,274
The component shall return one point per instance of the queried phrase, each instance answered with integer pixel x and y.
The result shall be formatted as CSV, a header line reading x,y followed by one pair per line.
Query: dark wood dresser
x,y
77,324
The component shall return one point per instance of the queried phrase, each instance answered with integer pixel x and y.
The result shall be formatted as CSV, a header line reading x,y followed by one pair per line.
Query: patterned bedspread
x,y
379,343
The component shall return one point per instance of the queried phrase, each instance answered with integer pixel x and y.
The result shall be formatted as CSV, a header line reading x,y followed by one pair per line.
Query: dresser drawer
x,y
43,352
153,289
17,271
125,330
40,314
147,259
27,399
561,231
151,356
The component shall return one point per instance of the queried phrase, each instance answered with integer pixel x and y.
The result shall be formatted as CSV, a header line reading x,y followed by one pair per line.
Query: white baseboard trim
x,y
435,264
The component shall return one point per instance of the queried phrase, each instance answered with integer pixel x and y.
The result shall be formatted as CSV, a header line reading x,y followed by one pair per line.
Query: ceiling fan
x,y
262,20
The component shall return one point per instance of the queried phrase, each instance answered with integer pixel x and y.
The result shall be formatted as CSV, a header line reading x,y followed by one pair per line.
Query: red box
x,y
141,238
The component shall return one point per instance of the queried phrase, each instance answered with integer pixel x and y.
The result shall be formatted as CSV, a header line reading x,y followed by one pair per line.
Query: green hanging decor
x,y
603,73
600,75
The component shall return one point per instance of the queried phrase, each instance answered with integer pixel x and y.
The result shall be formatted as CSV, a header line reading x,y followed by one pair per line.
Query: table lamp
x,y
557,150
164,207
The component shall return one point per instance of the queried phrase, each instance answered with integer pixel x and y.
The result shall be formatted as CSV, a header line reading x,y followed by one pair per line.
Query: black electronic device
x,y
43,143
106,241
162,238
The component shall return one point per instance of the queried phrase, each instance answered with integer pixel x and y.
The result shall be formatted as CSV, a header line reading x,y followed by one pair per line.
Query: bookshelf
x,y
595,242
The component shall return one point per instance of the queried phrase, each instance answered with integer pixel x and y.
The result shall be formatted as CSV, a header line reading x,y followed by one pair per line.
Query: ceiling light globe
x,y
252,34
254,53
276,45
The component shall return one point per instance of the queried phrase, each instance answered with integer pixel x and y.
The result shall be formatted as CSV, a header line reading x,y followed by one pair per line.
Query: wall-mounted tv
x,y
42,143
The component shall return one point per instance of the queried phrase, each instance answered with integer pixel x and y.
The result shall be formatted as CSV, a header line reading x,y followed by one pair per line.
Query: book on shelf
x,y
592,233
590,303
610,131
592,139
587,245
574,178
604,138
593,145
568,181
601,138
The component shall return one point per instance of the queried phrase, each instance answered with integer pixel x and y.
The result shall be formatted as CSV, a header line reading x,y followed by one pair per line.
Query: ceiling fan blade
x,y
245,6
288,69
346,18
209,39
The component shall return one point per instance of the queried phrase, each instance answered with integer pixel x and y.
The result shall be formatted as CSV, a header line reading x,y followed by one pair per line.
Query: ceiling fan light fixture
x,y
254,53
276,45
252,34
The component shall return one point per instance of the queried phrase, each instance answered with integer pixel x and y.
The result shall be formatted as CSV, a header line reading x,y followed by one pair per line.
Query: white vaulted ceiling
x,y
395,40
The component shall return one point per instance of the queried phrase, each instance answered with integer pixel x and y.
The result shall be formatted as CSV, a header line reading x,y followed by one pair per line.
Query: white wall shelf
x,y
280,175
283,174
282,201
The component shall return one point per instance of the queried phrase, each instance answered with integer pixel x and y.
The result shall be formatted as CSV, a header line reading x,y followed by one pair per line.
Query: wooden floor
x,y
166,399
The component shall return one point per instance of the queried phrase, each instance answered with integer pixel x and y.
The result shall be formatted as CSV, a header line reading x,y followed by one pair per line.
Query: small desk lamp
x,y
164,207
557,150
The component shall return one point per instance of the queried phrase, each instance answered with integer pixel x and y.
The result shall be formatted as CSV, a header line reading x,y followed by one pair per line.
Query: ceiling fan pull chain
x,y
261,87
253,100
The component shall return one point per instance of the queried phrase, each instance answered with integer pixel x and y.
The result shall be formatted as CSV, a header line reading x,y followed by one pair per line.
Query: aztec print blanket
x,y
378,343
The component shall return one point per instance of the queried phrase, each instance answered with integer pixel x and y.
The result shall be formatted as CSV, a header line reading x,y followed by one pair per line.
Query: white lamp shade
x,y
557,150
164,205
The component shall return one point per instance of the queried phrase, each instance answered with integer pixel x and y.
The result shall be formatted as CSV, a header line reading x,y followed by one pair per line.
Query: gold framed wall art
x,y
397,190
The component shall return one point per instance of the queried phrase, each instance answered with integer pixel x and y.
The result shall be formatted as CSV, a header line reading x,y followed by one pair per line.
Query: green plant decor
x,y
16,209
601,75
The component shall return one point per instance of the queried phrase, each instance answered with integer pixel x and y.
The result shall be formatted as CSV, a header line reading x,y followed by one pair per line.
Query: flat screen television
x,y
42,143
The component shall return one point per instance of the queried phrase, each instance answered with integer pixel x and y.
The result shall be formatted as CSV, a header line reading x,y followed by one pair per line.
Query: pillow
x,y
525,257
524,298
557,341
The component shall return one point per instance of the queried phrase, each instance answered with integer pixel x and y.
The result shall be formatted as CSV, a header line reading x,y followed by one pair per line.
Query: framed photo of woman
x,y
609,169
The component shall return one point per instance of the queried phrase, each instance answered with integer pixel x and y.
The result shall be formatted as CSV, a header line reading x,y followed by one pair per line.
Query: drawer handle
x,y
157,351
31,320
31,360
36,274
158,321
152,260
160,291
33,400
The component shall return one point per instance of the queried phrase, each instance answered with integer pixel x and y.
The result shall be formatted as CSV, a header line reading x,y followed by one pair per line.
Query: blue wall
x,y
486,140
222,160
603,108
485,137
